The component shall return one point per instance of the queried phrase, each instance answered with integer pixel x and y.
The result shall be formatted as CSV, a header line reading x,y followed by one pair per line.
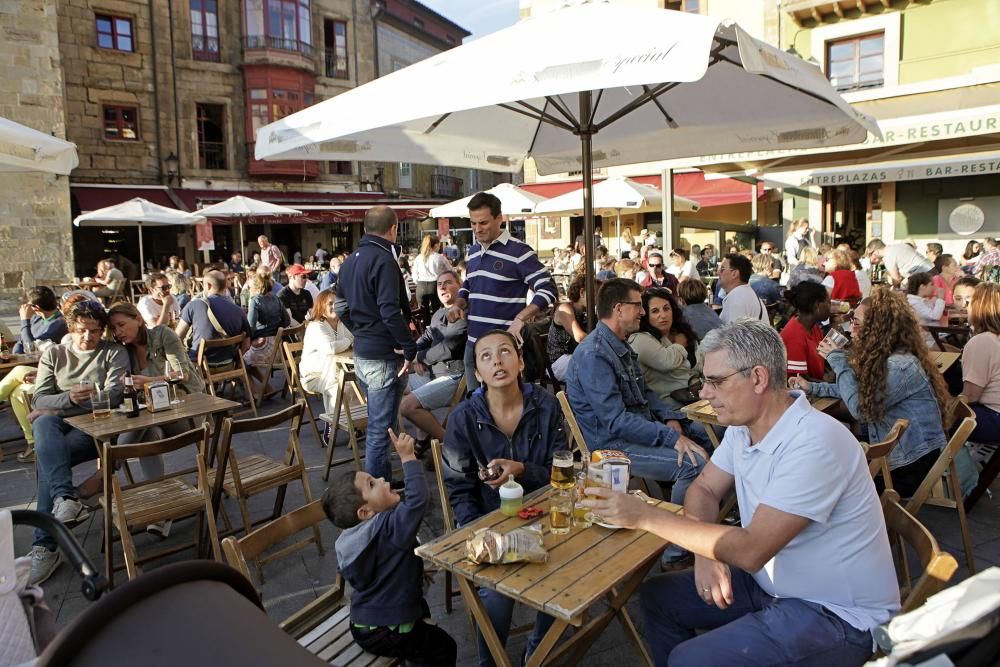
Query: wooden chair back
x,y
349,415
236,374
275,362
575,434
437,452
937,567
136,289
457,397
878,453
291,350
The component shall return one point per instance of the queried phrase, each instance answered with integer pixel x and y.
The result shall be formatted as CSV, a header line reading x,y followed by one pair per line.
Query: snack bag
x,y
519,545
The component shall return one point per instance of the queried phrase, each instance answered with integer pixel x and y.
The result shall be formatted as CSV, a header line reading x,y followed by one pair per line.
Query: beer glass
x,y
560,512
563,477
581,514
101,403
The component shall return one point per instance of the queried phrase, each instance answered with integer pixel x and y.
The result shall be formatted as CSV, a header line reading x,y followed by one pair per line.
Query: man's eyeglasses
x,y
654,266
715,382
630,303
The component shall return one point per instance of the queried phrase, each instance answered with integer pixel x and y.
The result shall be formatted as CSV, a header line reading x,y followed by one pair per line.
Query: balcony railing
x,y
447,186
212,154
277,44
296,168
205,48
336,66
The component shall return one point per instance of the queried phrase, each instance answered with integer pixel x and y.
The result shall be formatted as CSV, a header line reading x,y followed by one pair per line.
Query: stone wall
x,y
35,241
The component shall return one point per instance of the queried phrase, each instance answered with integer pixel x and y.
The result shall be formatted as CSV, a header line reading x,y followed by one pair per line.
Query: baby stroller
x,y
194,613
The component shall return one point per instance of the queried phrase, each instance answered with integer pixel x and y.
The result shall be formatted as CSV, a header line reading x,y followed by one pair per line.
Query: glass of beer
x,y
563,477
581,514
101,403
561,511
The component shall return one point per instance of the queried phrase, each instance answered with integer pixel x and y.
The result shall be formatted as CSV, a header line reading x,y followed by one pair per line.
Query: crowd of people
x,y
746,330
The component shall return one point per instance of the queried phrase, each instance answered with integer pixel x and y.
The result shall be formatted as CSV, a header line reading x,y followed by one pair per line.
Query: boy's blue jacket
x,y
376,558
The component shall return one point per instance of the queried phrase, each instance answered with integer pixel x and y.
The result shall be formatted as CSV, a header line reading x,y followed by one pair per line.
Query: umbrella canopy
x,y
613,196
592,85
136,213
244,208
513,201
25,149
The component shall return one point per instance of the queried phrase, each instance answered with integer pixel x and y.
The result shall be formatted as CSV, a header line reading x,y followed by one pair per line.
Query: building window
x,y
114,32
341,168
121,123
856,62
205,30
405,176
279,24
335,37
211,136
271,104
690,6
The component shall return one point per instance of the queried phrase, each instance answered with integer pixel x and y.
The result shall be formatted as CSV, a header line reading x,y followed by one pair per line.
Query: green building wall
x,y
917,201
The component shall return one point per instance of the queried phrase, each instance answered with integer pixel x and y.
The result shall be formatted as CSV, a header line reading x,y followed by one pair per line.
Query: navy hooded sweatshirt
x,y
376,558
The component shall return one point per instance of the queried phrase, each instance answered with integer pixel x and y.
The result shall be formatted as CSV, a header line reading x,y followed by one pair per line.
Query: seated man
x,y
113,281
809,573
296,296
613,405
439,364
214,316
158,306
41,321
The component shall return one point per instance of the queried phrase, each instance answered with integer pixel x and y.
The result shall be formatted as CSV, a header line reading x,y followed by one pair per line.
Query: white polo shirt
x,y
810,465
743,302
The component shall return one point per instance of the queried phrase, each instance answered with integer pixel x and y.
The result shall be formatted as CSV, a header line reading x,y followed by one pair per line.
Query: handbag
x,y
689,394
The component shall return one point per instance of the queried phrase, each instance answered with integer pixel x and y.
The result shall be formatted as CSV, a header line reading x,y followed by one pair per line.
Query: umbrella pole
x,y
243,245
618,230
142,258
587,164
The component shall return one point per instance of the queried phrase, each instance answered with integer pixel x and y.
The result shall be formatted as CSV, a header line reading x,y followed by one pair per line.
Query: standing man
x,y
501,270
808,573
900,259
321,255
800,237
741,300
295,296
236,263
372,304
270,257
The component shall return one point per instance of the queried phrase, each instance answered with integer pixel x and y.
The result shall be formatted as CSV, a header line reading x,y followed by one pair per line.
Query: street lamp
x,y
172,165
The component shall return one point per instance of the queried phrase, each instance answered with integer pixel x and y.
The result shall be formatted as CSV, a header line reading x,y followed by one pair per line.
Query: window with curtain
x,y
856,62
205,30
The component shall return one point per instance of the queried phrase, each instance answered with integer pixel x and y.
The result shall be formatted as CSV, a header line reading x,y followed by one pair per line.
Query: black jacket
x,y
372,303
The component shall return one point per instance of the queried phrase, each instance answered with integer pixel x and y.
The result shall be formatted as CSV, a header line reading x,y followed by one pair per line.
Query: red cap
x,y
296,270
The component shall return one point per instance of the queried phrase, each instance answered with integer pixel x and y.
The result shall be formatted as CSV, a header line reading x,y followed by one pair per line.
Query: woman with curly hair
x,y
886,374
666,345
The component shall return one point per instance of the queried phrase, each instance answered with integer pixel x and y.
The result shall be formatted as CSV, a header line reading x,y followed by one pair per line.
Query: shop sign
x,y
908,172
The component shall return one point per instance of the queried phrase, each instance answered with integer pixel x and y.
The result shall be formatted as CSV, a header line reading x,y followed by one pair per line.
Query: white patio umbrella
x,y
25,149
614,195
136,213
514,202
244,208
587,86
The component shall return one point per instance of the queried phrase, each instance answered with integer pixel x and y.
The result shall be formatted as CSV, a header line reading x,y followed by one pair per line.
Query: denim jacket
x,y
909,395
609,396
472,439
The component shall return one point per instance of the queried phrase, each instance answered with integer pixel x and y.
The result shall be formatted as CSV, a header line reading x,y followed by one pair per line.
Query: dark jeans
x,y
58,448
383,386
907,479
423,645
427,299
756,629
987,424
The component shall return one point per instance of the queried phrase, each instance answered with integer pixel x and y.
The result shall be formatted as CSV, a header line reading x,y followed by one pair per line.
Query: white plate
x,y
603,524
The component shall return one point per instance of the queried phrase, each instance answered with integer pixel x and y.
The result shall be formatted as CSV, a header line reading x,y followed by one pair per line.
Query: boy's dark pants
x,y
424,644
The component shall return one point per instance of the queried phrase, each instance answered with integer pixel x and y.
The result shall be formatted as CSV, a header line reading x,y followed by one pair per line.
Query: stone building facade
x,y
35,240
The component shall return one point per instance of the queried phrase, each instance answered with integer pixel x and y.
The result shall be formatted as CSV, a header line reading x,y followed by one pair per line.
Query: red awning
x,y
694,185
91,197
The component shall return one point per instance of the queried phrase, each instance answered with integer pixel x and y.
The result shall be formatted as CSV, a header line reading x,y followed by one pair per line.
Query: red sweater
x,y
845,286
801,345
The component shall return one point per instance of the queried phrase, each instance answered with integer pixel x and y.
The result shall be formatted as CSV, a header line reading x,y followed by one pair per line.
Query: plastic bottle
x,y
511,497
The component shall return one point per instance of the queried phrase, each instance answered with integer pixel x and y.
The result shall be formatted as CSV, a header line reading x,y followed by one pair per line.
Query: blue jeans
x,y
471,383
58,447
660,463
756,629
379,381
500,609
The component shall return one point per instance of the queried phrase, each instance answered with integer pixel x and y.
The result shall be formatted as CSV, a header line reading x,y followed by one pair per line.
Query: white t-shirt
x,y
902,258
810,465
743,302
150,310
688,269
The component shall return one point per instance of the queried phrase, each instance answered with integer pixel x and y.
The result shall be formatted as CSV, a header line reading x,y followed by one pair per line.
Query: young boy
x,y
375,556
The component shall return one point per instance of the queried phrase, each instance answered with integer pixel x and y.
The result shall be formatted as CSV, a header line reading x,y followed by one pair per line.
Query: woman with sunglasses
x,y
666,345
159,307
886,374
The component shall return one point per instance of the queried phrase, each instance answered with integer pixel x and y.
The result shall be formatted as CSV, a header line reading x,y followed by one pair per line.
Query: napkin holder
x,y
157,396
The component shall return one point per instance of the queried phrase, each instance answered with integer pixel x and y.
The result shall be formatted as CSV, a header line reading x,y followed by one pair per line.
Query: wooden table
x,y
583,567
702,411
106,432
945,332
944,360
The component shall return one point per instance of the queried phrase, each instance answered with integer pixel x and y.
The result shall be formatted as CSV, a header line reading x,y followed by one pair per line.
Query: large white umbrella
x,y
514,202
587,86
25,149
243,208
136,213
612,196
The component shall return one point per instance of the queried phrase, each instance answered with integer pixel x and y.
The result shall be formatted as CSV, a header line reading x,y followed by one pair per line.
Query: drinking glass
x,y
560,512
581,514
101,403
174,375
563,476
29,349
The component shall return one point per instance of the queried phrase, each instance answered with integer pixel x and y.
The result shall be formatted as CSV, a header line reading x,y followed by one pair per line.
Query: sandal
x,y
27,456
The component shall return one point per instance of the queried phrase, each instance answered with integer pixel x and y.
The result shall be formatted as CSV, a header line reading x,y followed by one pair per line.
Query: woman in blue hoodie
x,y
513,428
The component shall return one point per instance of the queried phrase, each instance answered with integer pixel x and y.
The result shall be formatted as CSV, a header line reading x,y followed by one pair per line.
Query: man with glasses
x,y
159,306
808,573
657,275
777,266
741,301
501,271
615,408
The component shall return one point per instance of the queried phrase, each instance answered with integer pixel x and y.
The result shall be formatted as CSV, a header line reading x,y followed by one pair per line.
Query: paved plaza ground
x,y
293,581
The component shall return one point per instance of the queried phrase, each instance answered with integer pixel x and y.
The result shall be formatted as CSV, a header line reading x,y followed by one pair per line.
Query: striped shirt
x,y
497,284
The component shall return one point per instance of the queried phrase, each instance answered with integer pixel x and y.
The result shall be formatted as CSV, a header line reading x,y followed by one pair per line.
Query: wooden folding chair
x,y
944,468
350,414
235,375
877,454
135,506
457,397
447,514
257,473
322,627
292,353
136,289
905,531
576,440
277,362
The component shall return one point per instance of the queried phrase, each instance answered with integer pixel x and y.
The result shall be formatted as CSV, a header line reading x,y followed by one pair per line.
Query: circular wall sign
x,y
966,219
